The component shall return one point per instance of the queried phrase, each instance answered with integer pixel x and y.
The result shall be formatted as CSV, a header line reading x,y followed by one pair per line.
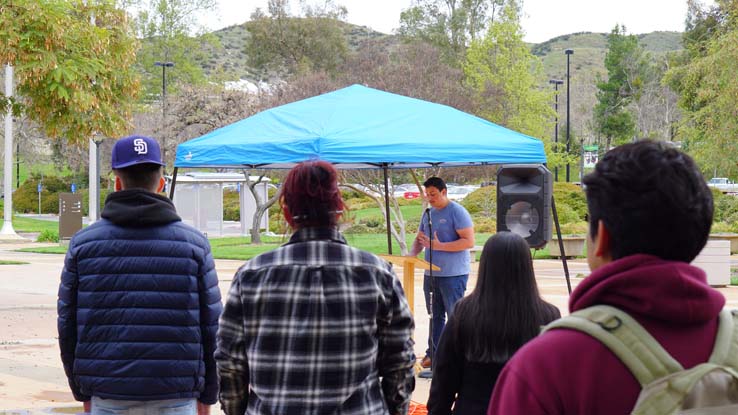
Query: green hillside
x,y
590,49
228,62
587,64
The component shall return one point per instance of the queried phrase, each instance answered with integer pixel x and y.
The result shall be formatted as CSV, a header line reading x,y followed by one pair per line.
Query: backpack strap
x,y
626,338
725,351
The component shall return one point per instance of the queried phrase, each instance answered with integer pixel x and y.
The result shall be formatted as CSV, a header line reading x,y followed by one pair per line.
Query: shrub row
x,y
25,198
571,206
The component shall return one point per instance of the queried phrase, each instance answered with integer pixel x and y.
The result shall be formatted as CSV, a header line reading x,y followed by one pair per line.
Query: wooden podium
x,y
408,274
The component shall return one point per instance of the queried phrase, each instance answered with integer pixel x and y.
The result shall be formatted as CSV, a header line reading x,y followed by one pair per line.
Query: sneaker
x,y
426,362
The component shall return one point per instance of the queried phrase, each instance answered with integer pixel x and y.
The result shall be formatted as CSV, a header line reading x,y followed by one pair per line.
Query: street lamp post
x,y
556,83
568,52
97,140
7,232
164,66
17,164
94,179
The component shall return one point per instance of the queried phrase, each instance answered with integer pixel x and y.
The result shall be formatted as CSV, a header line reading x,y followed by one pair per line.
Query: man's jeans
x,y
447,291
165,407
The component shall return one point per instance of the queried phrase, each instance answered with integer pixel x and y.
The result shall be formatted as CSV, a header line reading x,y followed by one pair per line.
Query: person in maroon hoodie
x,y
650,212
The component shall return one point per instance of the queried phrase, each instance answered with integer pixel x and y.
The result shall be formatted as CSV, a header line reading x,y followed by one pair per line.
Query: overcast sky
x,y
542,20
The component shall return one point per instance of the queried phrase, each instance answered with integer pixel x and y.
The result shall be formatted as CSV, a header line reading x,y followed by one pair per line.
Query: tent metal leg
x,y
387,208
174,182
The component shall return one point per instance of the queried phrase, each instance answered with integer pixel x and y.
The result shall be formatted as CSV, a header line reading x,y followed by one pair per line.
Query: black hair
x,y
436,182
652,199
141,176
505,309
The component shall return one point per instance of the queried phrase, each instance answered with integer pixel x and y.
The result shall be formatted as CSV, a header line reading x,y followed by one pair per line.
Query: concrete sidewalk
x,y
32,380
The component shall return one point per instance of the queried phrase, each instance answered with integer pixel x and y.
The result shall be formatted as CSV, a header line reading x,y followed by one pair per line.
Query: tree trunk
x,y
256,221
261,206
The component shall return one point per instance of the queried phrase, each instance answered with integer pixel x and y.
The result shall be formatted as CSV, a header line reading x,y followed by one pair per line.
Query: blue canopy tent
x,y
359,127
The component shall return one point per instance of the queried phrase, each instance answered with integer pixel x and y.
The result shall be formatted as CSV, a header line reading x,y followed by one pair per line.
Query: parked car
x,y
459,192
365,189
411,195
400,189
723,184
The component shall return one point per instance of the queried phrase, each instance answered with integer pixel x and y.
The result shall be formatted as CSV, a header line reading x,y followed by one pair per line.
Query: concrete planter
x,y
732,237
573,246
714,259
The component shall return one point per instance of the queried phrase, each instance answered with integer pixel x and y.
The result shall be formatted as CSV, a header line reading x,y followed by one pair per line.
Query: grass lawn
x,y
22,224
47,169
46,250
240,248
408,212
12,263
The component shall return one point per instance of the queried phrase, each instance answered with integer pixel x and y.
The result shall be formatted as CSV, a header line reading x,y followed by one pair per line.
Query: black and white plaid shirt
x,y
316,327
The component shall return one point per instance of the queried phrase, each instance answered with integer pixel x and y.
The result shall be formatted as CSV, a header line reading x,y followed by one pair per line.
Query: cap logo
x,y
140,147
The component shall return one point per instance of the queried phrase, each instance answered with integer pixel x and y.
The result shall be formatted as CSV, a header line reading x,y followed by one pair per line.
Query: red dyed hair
x,y
310,194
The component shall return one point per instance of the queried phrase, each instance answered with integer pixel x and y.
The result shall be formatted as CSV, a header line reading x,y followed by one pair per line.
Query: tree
x,y
261,204
198,109
655,106
73,78
505,77
284,44
450,25
372,185
704,77
626,66
415,70
167,28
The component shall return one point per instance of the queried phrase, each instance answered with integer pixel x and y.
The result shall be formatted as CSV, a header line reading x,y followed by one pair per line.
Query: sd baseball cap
x,y
135,149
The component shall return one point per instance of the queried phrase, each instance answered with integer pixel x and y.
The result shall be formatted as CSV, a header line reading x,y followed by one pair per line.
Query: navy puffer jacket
x,y
139,305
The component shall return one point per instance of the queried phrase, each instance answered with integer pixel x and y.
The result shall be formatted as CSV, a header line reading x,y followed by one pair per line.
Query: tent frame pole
x,y
174,182
385,169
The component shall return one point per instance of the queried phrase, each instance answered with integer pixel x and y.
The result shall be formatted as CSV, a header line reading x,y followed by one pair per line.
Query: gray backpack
x,y
667,388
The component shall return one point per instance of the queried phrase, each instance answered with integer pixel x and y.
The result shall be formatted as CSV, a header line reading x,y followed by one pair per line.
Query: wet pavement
x,y
32,379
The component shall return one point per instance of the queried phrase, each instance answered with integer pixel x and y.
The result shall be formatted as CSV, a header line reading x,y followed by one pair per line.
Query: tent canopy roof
x,y
360,127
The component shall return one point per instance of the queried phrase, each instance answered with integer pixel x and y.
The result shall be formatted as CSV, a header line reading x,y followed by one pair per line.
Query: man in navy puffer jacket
x,y
139,300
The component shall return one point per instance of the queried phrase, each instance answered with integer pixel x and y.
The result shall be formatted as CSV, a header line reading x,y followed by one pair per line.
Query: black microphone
x,y
427,213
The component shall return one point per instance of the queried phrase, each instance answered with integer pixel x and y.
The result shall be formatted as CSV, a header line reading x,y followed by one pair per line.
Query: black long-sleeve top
x,y
461,387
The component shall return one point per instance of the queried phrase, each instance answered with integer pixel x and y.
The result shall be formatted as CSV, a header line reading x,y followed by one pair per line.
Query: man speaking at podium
x,y
446,232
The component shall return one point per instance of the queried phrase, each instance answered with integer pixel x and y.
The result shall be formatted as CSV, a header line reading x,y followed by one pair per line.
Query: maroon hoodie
x,y
568,372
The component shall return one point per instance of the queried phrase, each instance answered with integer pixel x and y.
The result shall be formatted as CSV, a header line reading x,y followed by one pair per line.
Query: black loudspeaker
x,y
524,202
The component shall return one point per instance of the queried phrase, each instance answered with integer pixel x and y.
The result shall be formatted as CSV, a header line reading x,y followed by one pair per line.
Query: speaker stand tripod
x,y
561,243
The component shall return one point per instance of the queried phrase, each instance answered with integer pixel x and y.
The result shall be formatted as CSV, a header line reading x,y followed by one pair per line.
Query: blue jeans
x,y
447,291
166,407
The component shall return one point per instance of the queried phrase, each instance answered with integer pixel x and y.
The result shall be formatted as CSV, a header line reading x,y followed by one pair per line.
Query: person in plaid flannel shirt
x,y
315,326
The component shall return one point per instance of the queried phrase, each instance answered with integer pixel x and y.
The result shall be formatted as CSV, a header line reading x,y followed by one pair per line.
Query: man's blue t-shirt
x,y
444,223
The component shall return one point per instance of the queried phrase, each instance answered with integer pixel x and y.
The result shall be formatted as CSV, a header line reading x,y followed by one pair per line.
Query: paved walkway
x,y
32,380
